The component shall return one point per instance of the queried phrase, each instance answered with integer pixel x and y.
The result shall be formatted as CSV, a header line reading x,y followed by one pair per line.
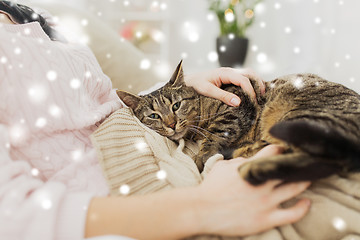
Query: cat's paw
x,y
258,172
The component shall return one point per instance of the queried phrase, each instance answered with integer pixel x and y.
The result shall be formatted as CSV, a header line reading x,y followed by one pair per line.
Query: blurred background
x,y
284,36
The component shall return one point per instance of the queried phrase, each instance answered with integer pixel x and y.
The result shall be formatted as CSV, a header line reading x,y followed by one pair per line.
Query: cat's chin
x,y
177,136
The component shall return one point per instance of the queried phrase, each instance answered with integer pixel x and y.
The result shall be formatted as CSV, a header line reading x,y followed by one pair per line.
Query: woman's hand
x,y
236,208
208,83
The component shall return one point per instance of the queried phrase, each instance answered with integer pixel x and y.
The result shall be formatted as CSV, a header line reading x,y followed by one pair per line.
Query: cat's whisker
x,y
199,128
198,132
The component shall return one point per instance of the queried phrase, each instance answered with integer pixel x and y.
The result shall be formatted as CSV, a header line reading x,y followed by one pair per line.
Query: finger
x,y
248,72
268,151
236,77
224,96
290,215
287,191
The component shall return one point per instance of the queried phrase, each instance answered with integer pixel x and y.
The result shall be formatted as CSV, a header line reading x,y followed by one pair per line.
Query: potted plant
x,y
235,17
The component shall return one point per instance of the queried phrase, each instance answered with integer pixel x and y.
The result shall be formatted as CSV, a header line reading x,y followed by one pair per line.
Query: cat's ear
x,y
131,100
178,76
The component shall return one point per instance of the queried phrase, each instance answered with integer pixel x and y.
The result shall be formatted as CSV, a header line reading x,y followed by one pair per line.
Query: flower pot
x,y
231,51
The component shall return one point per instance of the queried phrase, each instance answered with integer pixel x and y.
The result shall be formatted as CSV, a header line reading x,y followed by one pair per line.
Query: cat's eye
x,y
154,116
176,106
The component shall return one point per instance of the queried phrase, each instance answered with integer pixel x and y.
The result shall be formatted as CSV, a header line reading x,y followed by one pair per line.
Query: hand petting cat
x,y
208,83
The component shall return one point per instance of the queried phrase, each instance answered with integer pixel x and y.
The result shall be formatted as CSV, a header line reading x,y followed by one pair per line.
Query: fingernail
x,y
235,101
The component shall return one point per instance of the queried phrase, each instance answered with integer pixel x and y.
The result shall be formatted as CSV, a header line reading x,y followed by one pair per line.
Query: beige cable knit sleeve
x,y
134,156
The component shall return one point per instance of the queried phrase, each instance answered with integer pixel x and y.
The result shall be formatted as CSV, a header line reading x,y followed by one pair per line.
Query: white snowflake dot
x,y
288,30
298,83
46,204
41,122
84,22
37,93
297,50
138,34
17,50
88,74
213,56
124,189
27,31
35,172
339,223
193,36
262,24
184,55
222,48
261,58
229,17
34,16
317,20
277,6
3,60
76,155
161,174
141,145
210,17
51,75
145,64
163,6
75,83
231,36
55,111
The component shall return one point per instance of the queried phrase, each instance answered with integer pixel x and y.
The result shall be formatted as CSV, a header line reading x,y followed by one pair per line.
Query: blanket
x,y
136,160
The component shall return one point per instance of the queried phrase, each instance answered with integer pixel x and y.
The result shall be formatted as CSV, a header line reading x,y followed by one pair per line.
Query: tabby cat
x,y
316,121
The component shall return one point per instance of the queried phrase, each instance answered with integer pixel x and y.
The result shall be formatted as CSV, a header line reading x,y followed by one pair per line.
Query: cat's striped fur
x,y
317,121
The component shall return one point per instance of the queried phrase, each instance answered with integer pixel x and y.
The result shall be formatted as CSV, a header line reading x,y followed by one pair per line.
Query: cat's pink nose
x,y
172,125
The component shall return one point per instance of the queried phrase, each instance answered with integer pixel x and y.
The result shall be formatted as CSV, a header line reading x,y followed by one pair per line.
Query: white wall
x,y
329,47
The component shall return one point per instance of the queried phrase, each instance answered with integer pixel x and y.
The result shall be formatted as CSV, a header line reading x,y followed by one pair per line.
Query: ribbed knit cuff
x,y
136,160
125,157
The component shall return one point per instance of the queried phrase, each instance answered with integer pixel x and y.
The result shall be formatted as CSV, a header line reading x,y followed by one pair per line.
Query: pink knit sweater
x,y
52,96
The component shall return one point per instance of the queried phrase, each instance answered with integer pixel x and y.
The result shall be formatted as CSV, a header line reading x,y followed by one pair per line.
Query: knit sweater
x,y
52,96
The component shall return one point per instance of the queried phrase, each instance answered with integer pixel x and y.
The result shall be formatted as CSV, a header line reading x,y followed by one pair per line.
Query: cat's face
x,y
171,111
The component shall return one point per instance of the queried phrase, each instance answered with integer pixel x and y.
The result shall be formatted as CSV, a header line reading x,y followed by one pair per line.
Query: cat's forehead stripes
x,y
165,100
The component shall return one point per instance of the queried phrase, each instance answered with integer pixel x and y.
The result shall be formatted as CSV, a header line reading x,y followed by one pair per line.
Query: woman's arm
x,y
223,204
